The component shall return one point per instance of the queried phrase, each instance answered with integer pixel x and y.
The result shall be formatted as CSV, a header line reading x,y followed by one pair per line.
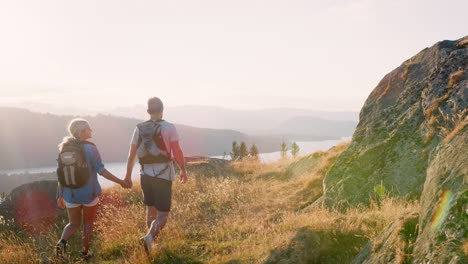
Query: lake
x,y
119,168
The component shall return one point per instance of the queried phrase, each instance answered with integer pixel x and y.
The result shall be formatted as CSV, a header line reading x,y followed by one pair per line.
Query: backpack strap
x,y
87,142
139,142
90,176
139,136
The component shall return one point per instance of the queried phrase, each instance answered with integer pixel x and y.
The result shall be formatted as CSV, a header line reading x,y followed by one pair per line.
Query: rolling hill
x,y
30,139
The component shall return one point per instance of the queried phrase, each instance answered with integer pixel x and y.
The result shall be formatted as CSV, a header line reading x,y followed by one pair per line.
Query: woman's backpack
x,y
73,171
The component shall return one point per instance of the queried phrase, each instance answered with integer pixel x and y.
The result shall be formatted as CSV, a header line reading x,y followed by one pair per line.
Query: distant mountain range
x,y
30,139
290,123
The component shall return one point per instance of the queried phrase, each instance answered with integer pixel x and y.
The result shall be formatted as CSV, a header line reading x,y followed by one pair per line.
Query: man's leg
x,y
155,221
151,214
158,223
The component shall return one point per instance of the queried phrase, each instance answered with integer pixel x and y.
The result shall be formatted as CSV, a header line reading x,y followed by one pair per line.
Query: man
x,y
156,143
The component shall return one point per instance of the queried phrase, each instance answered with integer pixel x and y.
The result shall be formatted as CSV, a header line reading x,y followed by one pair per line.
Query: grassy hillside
x,y
255,213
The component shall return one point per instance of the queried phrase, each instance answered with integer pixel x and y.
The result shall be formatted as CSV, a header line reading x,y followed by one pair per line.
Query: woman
x,y
81,203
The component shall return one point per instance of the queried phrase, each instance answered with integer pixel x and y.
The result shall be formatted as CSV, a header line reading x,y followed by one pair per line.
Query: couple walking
x,y
156,144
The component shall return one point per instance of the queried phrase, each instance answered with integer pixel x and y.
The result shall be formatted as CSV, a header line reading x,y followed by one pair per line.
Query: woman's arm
x,y
60,201
106,174
59,190
99,167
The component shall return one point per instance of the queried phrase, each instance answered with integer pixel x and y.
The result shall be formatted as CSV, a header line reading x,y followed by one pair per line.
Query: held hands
x,y
128,179
127,183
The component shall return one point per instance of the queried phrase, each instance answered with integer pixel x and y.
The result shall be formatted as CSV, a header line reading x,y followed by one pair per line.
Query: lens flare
x,y
35,212
442,210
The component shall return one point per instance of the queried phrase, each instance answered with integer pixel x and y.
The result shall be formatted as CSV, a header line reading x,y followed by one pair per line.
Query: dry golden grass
x,y
465,248
408,65
463,43
431,129
449,125
434,105
456,77
404,237
329,158
250,216
454,124
14,251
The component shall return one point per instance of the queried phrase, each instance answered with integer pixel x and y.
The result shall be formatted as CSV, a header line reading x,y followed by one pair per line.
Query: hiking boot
x,y
86,255
147,242
60,250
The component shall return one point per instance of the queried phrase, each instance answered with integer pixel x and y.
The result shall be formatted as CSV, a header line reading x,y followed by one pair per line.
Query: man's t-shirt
x,y
169,134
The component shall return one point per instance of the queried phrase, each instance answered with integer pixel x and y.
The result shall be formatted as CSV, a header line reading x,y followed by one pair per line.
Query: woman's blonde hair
x,y
75,129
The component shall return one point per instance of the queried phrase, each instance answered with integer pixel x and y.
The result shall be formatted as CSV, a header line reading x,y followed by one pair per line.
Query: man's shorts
x,y
157,192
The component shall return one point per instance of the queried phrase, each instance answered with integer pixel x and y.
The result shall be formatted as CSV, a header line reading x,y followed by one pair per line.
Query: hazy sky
x,y
242,54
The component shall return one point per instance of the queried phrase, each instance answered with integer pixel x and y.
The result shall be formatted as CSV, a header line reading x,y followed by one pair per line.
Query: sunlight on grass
x,y
251,215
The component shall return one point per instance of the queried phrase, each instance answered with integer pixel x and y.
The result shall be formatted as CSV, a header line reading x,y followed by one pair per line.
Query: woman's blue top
x,y
88,192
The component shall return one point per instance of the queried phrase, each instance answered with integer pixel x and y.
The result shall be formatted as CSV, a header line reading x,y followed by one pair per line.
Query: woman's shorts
x,y
74,205
157,192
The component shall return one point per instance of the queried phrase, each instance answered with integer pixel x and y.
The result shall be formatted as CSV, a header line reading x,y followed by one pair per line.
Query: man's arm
x,y
130,162
179,158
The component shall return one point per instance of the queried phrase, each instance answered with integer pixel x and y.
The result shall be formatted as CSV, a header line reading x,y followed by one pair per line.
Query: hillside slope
x,y
412,141
30,139
244,212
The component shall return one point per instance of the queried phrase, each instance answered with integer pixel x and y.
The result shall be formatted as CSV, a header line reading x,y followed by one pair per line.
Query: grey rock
x,y
8,208
399,127
394,245
412,137
441,239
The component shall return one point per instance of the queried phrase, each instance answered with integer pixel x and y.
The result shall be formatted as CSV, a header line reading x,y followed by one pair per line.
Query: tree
x,y
224,155
254,151
294,149
235,152
243,152
284,150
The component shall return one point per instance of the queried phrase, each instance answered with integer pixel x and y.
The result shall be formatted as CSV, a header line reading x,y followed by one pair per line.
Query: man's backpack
x,y
151,148
73,170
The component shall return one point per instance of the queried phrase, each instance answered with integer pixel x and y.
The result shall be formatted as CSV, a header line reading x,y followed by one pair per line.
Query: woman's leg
x,y
74,218
89,215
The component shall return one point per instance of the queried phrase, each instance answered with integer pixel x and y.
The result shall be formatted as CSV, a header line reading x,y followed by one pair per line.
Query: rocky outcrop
x,y
442,221
394,245
443,236
412,138
413,110
32,206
